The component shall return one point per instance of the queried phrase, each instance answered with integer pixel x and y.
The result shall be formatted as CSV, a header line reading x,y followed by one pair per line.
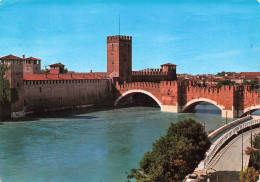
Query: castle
x,y
42,92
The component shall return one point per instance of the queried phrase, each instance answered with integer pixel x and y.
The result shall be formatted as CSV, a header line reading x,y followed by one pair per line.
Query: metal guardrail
x,y
226,126
227,136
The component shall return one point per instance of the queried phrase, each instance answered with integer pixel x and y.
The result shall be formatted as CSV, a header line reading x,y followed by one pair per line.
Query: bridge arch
x,y
190,106
250,109
130,92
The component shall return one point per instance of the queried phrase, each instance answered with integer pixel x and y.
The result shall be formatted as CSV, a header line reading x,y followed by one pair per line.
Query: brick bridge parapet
x,y
176,96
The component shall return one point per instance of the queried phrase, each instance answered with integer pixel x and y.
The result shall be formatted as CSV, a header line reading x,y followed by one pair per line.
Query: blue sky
x,y
200,36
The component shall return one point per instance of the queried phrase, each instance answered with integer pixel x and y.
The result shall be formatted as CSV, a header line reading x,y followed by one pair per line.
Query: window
x,y
40,89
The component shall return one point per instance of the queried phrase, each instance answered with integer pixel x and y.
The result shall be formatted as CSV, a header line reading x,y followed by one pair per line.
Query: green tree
x,y
255,153
7,95
248,175
5,90
223,73
225,82
174,155
252,83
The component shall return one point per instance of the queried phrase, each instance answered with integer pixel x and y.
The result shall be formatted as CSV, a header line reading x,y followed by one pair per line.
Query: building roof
x,y
10,57
56,64
168,64
249,74
32,58
60,77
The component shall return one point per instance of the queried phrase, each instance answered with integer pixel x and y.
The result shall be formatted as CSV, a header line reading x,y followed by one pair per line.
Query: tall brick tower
x,y
119,57
15,77
31,65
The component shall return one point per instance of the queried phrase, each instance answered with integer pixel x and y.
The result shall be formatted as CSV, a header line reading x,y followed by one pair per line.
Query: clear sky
x,y
200,36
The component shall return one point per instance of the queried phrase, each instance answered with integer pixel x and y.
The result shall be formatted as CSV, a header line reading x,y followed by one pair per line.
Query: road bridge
x,y
175,96
225,153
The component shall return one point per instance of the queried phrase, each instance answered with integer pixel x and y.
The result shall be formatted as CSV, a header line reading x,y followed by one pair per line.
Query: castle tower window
x,y
40,89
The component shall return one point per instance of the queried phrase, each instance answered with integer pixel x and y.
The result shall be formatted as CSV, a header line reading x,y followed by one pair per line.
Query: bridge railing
x,y
227,126
227,136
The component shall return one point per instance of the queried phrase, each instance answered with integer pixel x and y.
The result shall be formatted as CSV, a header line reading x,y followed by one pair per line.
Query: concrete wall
x,y
46,95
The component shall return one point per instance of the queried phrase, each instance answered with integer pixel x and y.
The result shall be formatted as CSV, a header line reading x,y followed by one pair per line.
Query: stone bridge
x,y
174,96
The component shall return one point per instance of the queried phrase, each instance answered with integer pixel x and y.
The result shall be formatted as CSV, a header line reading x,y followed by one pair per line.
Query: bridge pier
x,y
224,113
171,108
234,113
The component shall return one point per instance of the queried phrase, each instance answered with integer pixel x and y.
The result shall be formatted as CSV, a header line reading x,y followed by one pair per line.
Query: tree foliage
x,y
5,90
223,73
248,175
174,155
7,95
252,83
225,82
255,153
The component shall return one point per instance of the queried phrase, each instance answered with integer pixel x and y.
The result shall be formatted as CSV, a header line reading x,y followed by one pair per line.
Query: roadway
x,y
215,141
228,161
230,157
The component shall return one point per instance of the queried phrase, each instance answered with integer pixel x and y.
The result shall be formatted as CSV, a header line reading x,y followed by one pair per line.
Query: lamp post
x,y
251,125
226,117
242,151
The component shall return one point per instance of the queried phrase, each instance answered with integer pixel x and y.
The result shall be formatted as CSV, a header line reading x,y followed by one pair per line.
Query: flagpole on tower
x,y
119,24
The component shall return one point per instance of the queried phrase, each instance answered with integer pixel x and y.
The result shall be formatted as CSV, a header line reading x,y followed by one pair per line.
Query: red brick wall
x,y
153,88
55,70
119,56
170,92
173,92
31,67
246,97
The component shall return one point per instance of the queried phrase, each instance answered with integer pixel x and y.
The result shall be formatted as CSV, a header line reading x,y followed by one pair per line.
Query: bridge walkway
x,y
230,157
228,161
215,139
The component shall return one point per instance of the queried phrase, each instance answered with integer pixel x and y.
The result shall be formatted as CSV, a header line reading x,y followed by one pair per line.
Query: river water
x,y
98,146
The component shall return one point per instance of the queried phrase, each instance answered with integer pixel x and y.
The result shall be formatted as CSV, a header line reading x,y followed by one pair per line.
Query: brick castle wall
x,y
45,95
231,98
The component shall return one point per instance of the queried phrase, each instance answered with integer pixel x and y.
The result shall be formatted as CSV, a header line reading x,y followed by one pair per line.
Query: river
x,y
77,146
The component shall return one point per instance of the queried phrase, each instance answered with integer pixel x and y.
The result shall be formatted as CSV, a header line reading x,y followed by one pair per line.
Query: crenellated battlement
x,y
143,85
118,37
150,72
183,96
